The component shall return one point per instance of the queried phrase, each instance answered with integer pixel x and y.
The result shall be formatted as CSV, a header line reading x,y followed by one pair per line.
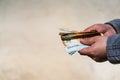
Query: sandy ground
x,y
30,47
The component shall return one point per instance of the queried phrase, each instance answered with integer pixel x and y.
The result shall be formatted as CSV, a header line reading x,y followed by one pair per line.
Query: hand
x,y
106,29
97,50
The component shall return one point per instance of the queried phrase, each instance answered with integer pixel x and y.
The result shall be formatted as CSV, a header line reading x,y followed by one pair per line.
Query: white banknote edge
x,y
74,46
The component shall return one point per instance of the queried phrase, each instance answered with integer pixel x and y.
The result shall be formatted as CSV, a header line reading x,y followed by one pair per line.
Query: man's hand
x,y
97,49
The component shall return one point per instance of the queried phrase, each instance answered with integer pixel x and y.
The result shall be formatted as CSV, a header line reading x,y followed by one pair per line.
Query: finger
x,y
85,51
88,41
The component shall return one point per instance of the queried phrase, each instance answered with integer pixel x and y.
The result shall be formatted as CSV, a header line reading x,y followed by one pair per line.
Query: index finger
x,y
86,51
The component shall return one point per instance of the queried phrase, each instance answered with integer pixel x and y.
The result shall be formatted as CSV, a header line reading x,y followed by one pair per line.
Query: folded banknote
x,y
71,40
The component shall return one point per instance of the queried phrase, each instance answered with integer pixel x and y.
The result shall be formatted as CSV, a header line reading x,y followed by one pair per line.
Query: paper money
x,y
71,40
73,46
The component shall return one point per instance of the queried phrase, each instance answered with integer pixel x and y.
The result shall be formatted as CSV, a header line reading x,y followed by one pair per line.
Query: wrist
x,y
111,27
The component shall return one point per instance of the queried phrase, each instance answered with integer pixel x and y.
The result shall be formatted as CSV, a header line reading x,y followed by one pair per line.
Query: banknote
x,y
71,40
73,46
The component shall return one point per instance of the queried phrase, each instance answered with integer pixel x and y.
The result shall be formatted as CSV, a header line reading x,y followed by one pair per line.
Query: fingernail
x,y
78,51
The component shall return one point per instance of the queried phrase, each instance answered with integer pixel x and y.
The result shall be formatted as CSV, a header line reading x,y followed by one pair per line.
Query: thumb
x,y
97,27
90,28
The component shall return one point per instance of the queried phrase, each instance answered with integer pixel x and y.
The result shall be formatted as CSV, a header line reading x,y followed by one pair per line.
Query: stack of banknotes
x,y
71,40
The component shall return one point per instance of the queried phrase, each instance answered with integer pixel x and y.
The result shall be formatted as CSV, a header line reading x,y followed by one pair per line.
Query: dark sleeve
x,y
113,49
115,24
113,43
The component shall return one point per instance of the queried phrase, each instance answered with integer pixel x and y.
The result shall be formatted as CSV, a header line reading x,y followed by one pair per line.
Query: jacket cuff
x,y
115,24
113,49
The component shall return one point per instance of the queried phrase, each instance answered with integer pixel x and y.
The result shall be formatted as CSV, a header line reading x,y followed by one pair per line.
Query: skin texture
x,y
97,49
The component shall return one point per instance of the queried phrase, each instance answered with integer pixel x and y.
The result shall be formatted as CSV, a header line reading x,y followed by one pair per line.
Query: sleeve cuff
x,y
115,24
113,49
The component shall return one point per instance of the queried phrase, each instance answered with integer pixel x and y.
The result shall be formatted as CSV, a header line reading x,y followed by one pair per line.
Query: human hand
x,y
97,49
106,29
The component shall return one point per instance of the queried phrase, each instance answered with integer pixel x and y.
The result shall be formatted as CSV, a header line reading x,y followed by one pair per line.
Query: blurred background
x,y
31,49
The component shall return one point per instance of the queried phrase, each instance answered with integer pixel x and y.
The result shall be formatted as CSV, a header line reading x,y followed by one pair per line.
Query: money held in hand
x,y
71,40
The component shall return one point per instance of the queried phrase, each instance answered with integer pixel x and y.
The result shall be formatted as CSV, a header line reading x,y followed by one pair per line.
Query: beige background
x,y
30,47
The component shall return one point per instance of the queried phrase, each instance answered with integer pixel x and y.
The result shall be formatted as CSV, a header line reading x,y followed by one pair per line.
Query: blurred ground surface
x,y
30,47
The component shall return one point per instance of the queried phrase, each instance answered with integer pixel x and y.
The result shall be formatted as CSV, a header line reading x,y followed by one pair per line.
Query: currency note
x,y
71,40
